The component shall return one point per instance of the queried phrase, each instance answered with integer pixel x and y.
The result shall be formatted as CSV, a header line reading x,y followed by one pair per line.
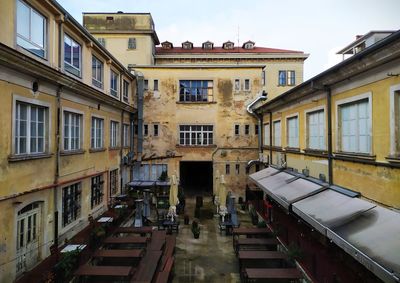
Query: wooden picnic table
x,y
91,270
255,243
134,230
136,253
147,267
157,241
272,273
126,240
261,259
249,231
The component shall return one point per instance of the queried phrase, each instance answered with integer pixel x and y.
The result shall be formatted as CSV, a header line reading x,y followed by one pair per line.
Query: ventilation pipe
x,y
140,90
262,96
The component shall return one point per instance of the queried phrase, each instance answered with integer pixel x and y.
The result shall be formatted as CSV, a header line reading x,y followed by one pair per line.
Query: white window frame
x,y
296,137
97,70
236,87
114,134
155,83
307,126
394,132
102,41
93,145
338,129
267,134
274,143
290,75
198,135
81,127
79,70
126,135
45,27
47,126
244,85
77,198
114,91
132,43
125,90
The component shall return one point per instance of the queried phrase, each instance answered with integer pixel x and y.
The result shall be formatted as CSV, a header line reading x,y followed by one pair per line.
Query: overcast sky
x,y
317,27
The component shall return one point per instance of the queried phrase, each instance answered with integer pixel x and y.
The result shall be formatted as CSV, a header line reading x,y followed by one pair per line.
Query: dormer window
x,y
228,45
208,45
248,45
167,45
187,45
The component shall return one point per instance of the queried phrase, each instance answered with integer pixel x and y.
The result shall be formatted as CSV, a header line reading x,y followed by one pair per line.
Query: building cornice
x,y
232,55
196,66
13,59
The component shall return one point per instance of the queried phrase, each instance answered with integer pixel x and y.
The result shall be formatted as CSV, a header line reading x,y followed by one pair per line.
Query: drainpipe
x,y
329,114
263,96
121,148
270,137
140,89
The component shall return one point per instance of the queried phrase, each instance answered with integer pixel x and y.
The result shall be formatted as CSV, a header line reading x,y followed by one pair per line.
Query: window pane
x,y
37,29
23,19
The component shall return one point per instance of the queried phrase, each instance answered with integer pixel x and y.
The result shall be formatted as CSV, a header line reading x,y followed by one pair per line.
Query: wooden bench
x,y
109,271
134,230
256,244
129,242
261,259
137,253
164,275
250,232
157,241
147,267
264,274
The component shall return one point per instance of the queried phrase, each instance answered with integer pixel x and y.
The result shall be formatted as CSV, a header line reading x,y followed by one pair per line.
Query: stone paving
x,y
211,257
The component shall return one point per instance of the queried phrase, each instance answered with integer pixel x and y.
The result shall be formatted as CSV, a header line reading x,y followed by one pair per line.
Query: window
x,y
237,130
266,135
155,85
96,191
150,172
247,84
237,85
31,29
72,131
114,181
237,169
396,120
316,130
227,169
131,43
282,78
97,72
263,78
291,79
97,133
114,84
125,91
30,128
72,56
197,135
256,129
146,84
155,130
354,127
71,203
145,130
247,129
286,78
277,133
126,135
293,132
195,90
102,41
114,134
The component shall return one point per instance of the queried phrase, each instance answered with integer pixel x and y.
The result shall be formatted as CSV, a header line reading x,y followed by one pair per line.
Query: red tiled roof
x,y
199,50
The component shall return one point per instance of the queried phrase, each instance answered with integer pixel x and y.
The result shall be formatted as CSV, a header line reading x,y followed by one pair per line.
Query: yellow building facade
x,y
195,121
66,116
342,126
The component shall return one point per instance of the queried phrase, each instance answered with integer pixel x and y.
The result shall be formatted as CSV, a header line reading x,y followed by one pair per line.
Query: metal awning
x,y
262,174
373,238
329,209
163,183
141,184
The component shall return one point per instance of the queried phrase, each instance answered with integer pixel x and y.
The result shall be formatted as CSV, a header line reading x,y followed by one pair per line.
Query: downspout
x,y
140,89
58,139
270,137
329,114
121,148
263,96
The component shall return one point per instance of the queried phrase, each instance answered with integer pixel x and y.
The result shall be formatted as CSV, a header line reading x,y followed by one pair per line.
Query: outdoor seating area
x,y
261,257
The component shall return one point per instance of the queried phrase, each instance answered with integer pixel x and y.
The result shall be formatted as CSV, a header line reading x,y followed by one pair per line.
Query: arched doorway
x,y
28,232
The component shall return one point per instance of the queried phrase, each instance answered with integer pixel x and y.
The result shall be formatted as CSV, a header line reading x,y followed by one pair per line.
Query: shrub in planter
x,y
66,266
195,229
294,253
254,216
261,224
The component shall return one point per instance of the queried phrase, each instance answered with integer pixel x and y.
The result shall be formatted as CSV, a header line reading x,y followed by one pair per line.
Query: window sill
x,y
196,146
315,152
196,102
355,156
15,158
126,147
93,150
72,152
395,159
114,148
292,149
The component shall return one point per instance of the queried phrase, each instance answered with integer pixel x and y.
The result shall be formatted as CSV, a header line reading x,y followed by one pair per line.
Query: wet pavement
x,y
211,257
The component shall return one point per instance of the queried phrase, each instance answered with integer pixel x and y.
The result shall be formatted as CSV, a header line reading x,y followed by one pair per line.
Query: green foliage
x,y
65,267
261,224
294,252
164,176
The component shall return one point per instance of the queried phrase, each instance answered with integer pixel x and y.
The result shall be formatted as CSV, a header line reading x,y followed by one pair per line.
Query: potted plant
x,y
186,219
294,253
65,267
195,229
253,215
